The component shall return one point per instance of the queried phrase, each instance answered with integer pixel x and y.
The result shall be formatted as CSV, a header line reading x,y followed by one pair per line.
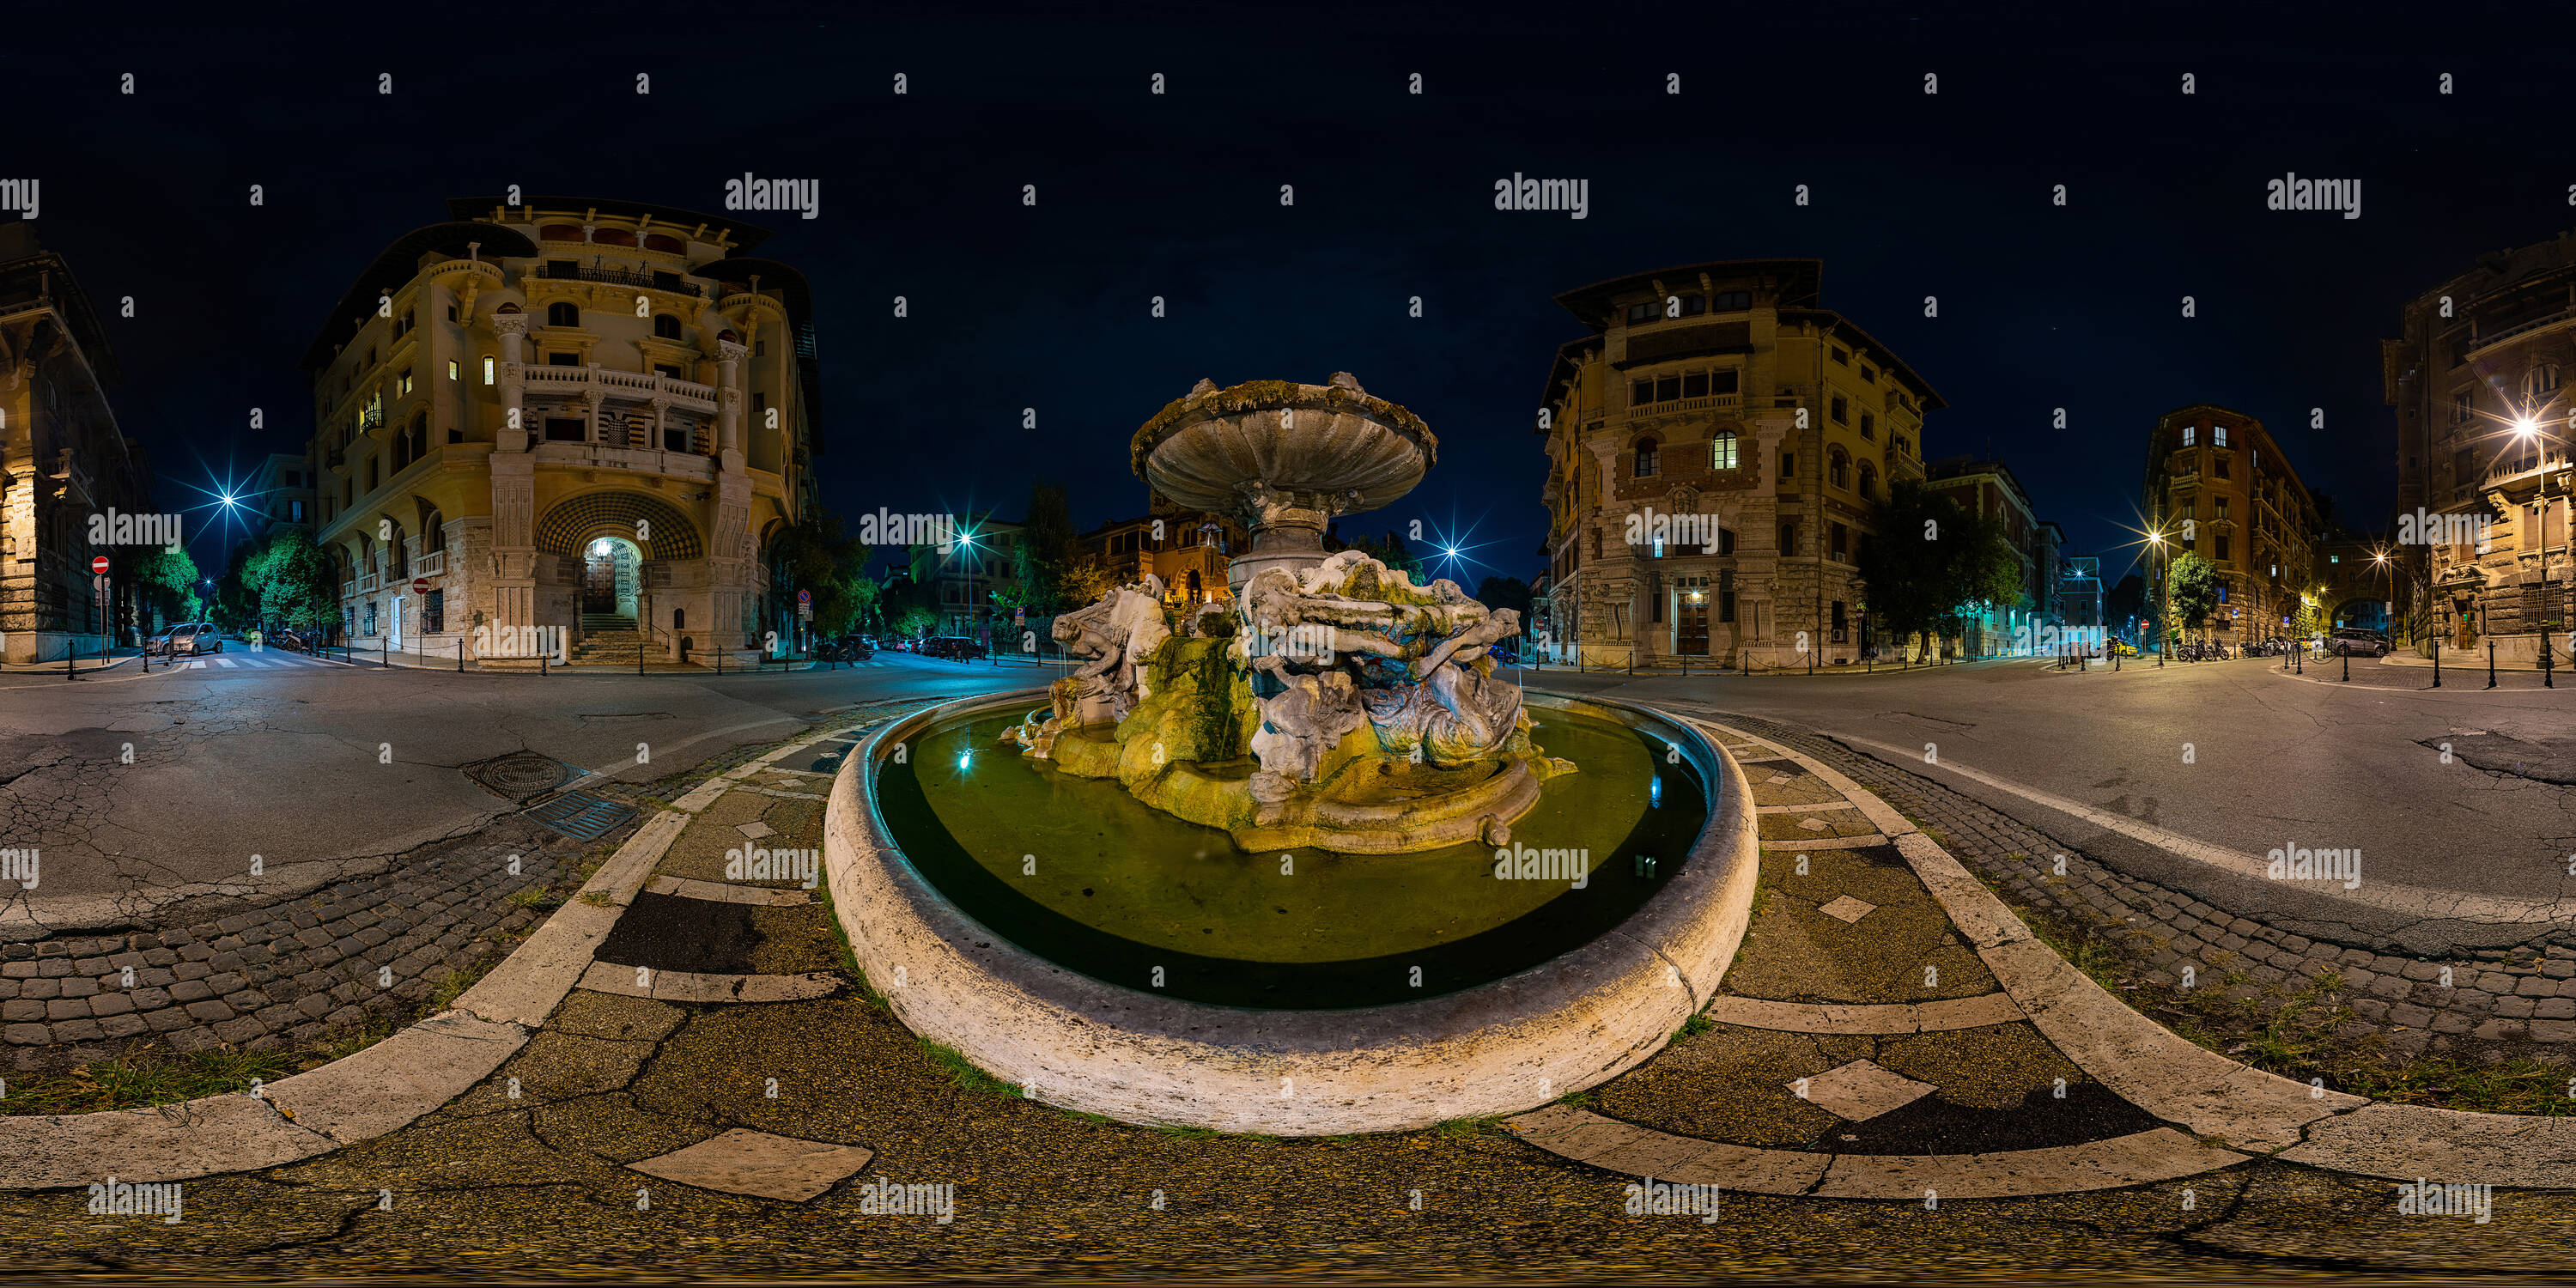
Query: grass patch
x,y
597,898
535,896
139,1079
964,1074
1694,1026
1471,1128
1189,1133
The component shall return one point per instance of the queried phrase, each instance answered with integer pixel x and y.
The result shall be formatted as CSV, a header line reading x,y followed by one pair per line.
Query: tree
x,y
165,579
1499,593
815,556
1392,552
290,580
1086,581
236,603
2192,585
1916,567
1987,570
1049,554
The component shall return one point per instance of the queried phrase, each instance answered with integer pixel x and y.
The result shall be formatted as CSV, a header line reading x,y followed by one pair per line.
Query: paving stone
x,y
27,1035
1862,1090
758,1163
209,1012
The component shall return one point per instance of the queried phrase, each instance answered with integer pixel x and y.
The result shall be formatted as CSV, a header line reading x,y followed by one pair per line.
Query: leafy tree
x,y
1915,568
166,580
236,603
914,620
2192,585
1392,552
1499,593
1988,569
290,578
815,556
1085,581
1049,554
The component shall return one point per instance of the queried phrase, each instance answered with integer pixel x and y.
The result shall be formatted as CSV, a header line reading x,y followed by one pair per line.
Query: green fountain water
x,y
1080,872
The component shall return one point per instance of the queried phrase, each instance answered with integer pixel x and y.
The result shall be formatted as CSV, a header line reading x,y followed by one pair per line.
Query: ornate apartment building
x,y
2483,428
2218,486
1189,549
585,415
1717,448
63,461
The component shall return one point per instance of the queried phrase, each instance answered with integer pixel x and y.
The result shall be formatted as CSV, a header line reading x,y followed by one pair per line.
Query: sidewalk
x,y
81,665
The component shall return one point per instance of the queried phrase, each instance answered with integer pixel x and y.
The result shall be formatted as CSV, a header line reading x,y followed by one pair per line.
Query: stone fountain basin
x,y
1569,1023
1200,463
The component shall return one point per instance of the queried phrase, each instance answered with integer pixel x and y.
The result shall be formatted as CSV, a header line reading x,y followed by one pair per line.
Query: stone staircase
x,y
607,639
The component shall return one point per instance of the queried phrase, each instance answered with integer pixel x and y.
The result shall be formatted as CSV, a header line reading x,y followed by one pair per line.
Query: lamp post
x,y
2164,597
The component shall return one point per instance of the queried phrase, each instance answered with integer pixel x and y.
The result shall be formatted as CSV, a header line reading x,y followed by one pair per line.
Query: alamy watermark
x,y
1652,529
1650,1197
886,528
2290,192
2295,862
2434,1198
2427,529
890,1198
747,864
1521,863
115,527
20,865
19,195
748,193
1574,196
115,1198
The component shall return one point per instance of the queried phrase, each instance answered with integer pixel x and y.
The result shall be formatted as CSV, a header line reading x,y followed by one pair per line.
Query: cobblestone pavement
x,y
2483,1003
289,974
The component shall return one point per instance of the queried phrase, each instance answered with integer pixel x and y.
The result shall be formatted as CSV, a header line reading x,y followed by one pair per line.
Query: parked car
x,y
2123,648
2354,642
848,648
190,639
954,647
159,645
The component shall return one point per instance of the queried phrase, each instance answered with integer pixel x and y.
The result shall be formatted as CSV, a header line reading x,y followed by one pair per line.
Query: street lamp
x,y
967,540
2164,597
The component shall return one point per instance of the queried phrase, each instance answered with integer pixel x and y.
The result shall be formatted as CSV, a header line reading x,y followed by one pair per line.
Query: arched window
x,y
1721,450
656,241
563,314
1868,480
665,327
1838,469
1646,453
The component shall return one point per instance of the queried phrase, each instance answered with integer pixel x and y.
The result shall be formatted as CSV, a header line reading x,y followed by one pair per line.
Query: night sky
x,y
1178,196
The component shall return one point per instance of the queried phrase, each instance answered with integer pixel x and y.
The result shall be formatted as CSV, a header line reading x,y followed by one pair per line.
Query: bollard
x,y
2437,661
2491,663
2347,666
71,670
460,656
639,655
384,651
2548,664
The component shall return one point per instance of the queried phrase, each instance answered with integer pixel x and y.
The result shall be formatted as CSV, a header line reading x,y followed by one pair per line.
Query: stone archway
x,y
612,575
656,527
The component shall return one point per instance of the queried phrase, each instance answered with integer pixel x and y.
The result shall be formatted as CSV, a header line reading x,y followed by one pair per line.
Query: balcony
x,y
637,385
670,282
433,564
2489,339
366,583
1713,402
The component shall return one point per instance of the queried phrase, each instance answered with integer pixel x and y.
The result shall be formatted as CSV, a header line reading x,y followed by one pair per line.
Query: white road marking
x,y
2412,900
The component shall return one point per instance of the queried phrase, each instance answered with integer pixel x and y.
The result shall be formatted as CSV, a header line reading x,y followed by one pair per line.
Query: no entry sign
x,y
420,585
99,565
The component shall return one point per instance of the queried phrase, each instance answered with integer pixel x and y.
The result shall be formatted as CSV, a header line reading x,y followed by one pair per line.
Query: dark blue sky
x,y
1178,196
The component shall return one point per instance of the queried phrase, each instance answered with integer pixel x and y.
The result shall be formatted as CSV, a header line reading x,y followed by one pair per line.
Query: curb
x,y
2232,1111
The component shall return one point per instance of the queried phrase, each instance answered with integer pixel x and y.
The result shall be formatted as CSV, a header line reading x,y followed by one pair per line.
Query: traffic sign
x,y
99,565
805,599
420,585
805,612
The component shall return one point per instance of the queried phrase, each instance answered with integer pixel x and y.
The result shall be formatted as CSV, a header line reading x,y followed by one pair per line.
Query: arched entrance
x,y
611,576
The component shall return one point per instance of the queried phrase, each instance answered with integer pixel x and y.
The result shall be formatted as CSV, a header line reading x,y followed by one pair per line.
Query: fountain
x,y
1341,706
1299,864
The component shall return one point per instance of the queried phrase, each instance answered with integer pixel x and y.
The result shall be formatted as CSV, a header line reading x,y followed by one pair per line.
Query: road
x,y
2187,775
141,790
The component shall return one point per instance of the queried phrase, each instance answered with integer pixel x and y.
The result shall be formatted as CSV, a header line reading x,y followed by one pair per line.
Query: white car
x,y
196,638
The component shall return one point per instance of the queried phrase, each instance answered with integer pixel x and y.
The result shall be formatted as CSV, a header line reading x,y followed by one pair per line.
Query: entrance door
x,y
398,621
1693,632
599,583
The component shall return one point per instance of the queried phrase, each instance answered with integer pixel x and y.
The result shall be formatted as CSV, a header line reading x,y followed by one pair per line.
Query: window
x,y
454,369
2462,407
1868,481
2222,467
1726,595
1840,624
563,270
666,369
1690,306
1695,385
1668,388
1838,469
1789,538
2218,435
1640,392
372,462
559,232
1721,450
1904,446
451,312
1730,301
1723,382
1640,313
561,313
656,241
759,407
1842,541
1868,375
665,327
1868,426
2541,383
487,368
1842,410
2222,508
402,384
2222,545
563,360
566,429
433,608
1788,465
1646,458
760,348
2191,435
1839,355
295,511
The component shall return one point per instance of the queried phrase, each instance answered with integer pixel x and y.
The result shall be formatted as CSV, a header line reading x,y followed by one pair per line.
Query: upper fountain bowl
x,y
1284,459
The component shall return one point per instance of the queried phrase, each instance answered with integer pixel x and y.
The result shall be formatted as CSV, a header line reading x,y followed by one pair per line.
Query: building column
x,y
514,498
730,563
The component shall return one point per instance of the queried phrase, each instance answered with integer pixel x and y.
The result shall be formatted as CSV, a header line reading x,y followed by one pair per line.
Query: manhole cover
x,y
581,816
521,775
